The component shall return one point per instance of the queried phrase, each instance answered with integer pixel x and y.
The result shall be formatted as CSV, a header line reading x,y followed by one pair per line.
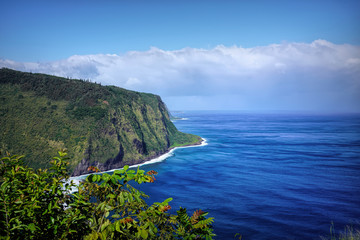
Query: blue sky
x,y
52,30
78,38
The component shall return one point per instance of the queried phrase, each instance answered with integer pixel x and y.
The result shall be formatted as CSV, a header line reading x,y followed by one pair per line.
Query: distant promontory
x,y
103,126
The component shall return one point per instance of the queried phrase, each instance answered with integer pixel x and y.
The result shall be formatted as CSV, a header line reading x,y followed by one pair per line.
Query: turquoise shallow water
x,y
266,176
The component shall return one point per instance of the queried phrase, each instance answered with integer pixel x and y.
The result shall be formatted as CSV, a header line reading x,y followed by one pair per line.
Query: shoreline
x,y
157,159
168,154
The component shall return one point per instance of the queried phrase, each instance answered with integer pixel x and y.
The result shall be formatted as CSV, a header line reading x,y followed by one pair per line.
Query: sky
x,y
245,55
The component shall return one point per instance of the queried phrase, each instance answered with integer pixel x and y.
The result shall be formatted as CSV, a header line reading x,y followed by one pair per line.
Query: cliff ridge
x,y
103,126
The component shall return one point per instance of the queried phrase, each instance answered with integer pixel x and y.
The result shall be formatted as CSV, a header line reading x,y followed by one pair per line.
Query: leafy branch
x,y
39,204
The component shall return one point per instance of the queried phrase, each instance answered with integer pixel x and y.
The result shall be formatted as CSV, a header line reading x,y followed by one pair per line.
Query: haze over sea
x,y
266,176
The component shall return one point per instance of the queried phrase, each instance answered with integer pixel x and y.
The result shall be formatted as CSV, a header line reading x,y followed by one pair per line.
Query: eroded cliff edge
x,y
103,126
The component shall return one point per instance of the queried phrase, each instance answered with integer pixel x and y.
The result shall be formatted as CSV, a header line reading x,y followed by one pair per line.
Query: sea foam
x,y
158,159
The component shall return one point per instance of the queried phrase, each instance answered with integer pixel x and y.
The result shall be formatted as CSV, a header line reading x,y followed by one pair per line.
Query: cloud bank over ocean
x,y
317,76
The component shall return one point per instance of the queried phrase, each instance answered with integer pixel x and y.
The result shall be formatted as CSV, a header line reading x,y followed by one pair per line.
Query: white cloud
x,y
294,76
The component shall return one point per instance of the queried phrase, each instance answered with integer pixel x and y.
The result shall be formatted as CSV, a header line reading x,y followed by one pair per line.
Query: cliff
x,y
103,126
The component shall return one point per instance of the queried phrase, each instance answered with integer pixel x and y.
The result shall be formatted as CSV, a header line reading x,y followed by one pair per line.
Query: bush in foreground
x,y
44,204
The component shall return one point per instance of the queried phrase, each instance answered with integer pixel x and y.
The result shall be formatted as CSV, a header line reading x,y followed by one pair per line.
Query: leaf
x,y
62,154
90,178
104,225
118,226
111,196
126,167
32,227
119,172
98,178
106,177
113,180
137,197
18,201
122,199
144,234
119,178
130,198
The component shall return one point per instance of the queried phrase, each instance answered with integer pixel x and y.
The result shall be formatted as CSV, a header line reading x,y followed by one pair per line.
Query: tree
x,y
39,204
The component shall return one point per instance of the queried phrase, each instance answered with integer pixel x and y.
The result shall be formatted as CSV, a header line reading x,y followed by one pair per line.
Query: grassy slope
x,y
41,114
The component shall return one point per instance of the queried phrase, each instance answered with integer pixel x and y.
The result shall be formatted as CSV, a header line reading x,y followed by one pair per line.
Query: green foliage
x,y
349,233
33,204
40,114
96,112
180,139
195,227
40,205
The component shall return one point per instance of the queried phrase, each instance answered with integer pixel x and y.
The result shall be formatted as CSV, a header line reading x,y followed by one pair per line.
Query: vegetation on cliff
x,y
39,204
104,126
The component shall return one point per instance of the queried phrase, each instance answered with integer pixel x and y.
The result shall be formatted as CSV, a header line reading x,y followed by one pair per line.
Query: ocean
x,y
265,176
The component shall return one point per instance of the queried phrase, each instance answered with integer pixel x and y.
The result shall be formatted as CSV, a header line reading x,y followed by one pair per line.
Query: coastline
x,y
168,154
156,159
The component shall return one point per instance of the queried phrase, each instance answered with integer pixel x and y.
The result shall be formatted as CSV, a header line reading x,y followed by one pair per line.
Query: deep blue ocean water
x,y
266,176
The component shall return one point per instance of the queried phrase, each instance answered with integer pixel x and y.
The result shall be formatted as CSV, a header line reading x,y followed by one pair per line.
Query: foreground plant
x,y
39,204
349,233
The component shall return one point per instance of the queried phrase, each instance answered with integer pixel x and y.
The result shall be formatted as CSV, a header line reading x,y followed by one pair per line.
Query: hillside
x,y
103,126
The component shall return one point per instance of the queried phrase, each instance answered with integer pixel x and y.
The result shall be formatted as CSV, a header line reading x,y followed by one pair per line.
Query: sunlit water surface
x,y
266,176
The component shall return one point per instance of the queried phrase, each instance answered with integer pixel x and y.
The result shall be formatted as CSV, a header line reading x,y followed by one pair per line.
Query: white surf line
x,y
168,154
179,119
152,161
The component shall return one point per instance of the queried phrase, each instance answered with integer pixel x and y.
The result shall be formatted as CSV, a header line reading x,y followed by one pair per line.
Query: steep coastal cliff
x,y
103,126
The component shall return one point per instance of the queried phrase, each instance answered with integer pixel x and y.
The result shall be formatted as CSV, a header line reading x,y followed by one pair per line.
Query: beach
x,y
157,159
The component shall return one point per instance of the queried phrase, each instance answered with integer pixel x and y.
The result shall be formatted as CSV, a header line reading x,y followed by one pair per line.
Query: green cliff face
x,y
103,126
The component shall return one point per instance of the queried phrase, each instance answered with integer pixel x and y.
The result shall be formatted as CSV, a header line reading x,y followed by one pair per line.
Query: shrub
x,y
44,204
